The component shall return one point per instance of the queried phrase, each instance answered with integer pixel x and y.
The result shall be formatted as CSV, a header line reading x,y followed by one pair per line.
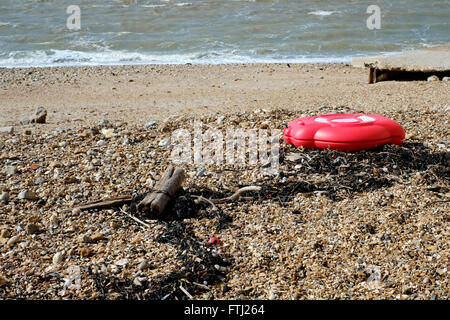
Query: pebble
x,y
264,125
101,143
446,79
220,119
28,195
137,282
271,295
433,78
115,224
84,238
9,130
97,236
164,143
5,234
12,241
113,268
4,197
54,220
103,122
84,252
108,133
31,228
122,262
9,170
201,172
143,265
150,124
58,257
225,289
39,116
3,280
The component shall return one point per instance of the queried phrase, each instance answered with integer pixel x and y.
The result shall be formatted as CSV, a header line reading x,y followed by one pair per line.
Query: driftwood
x,y
155,202
235,196
106,204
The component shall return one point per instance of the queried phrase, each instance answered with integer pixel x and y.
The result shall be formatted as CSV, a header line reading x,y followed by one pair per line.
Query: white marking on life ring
x,y
366,118
345,120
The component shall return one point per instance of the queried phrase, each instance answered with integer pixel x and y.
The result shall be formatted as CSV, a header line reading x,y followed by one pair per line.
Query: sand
x,y
143,93
330,225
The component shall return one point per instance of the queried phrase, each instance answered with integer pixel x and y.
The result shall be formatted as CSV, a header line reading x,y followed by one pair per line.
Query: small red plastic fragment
x,y
213,240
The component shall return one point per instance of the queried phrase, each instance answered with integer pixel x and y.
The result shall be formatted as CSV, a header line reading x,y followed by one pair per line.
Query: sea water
x,y
111,32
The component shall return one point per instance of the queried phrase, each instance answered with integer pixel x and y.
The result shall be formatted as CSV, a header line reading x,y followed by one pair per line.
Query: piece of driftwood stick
x,y
155,202
235,196
134,218
106,204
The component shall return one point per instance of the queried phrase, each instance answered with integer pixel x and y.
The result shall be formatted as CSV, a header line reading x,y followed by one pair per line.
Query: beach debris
x,y
39,116
433,78
154,203
410,65
235,196
213,240
186,292
446,79
105,204
346,131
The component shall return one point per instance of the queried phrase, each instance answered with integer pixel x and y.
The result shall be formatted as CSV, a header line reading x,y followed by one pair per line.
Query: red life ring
x,y
348,132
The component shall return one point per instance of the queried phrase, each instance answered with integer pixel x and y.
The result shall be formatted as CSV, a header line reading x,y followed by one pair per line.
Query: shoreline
x,y
137,94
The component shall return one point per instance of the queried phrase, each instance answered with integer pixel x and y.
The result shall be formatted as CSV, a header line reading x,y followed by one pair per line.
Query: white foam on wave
x,y
53,58
153,5
322,13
